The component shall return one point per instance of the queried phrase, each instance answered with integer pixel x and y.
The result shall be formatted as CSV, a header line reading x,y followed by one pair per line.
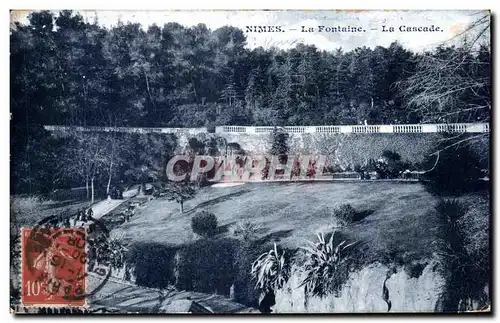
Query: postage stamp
x,y
250,161
53,266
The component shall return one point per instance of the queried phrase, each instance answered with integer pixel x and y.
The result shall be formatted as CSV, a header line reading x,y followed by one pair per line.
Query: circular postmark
x,y
61,265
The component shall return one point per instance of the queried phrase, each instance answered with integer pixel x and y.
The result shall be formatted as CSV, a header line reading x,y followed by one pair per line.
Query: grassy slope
x,y
399,216
28,211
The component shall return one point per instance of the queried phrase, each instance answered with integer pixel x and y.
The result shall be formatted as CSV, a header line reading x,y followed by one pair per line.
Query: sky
x,y
451,23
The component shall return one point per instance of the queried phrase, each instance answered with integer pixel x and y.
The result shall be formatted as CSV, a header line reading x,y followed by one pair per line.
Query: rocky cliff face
x,y
364,293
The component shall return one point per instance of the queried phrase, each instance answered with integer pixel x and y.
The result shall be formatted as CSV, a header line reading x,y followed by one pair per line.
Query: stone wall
x,y
345,149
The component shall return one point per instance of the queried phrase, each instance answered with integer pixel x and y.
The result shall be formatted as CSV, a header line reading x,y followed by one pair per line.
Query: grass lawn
x,y
399,219
28,211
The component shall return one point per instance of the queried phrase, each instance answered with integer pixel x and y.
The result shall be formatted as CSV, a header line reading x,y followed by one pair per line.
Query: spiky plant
x,y
451,210
323,267
247,230
271,270
452,245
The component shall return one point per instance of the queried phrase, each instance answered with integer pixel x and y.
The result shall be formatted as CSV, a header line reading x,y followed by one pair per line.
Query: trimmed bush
x,y
346,213
153,263
204,224
208,266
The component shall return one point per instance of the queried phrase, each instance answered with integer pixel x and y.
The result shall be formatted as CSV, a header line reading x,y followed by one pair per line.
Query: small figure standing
x,y
114,193
79,215
127,273
90,213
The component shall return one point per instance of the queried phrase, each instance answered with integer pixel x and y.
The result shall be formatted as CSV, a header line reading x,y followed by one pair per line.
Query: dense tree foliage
x,y
454,170
453,84
69,71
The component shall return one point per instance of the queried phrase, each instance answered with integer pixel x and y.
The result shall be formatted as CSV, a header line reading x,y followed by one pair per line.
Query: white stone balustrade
x,y
364,129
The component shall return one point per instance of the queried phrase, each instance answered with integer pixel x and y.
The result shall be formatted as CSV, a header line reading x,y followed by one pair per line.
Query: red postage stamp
x,y
53,266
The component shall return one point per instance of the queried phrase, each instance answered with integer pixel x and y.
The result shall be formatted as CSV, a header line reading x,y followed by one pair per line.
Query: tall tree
x,y
86,160
452,84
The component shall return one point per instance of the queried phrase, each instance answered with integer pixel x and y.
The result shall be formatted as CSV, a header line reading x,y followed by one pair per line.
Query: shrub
x,y
153,264
389,165
234,148
365,169
390,155
334,169
246,230
451,210
208,266
382,169
452,171
110,251
467,274
204,224
196,146
360,170
324,268
345,213
271,270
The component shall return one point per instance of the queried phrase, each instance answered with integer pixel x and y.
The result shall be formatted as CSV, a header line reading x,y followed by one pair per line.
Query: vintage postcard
x,y
250,162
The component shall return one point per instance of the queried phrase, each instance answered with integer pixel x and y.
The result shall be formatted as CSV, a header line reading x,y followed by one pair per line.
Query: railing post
x,y
428,128
346,129
386,129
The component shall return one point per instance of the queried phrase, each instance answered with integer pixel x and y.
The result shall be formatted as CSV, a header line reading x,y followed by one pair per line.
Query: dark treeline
x,y
68,71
